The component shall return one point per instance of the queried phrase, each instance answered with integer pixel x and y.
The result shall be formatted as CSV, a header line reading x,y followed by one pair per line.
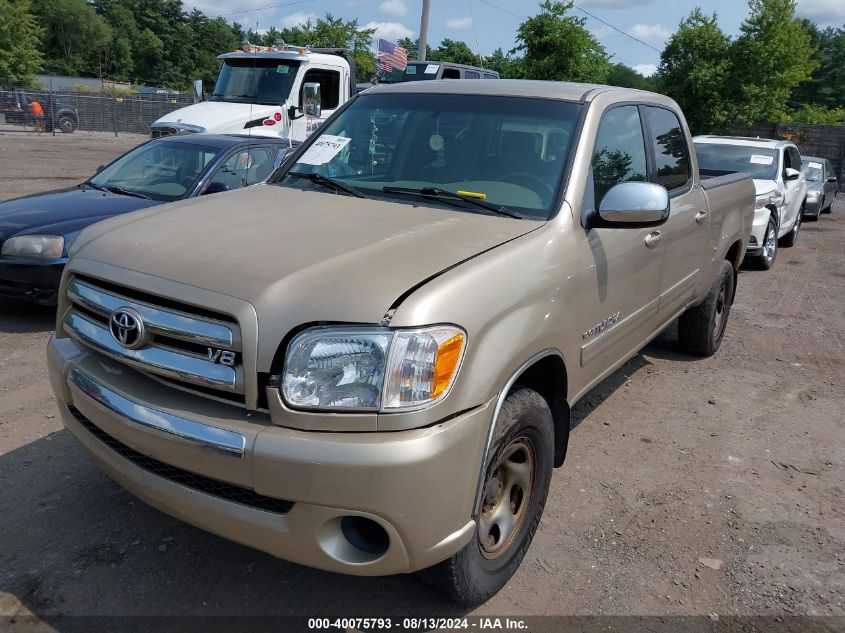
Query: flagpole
x,y
423,41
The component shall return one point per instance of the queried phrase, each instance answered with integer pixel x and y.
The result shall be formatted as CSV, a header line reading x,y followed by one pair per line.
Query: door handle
x,y
700,216
653,238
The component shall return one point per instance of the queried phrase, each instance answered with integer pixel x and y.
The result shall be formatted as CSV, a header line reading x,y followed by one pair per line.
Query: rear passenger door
x,y
686,232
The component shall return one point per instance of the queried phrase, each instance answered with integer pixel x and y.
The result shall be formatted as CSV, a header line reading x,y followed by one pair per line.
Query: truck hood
x,y
294,254
219,117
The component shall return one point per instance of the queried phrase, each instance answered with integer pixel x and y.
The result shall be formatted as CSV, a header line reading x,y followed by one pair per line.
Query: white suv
x,y
779,181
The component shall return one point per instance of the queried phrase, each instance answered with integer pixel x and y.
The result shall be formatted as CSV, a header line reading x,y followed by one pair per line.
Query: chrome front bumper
x,y
417,485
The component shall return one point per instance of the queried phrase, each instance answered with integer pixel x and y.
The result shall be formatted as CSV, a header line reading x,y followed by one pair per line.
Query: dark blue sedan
x,y
35,229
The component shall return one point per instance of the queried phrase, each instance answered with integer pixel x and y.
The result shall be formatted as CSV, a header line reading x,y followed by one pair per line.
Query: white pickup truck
x,y
262,91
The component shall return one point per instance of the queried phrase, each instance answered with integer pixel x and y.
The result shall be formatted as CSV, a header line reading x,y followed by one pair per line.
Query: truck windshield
x,y
161,170
718,159
253,80
446,150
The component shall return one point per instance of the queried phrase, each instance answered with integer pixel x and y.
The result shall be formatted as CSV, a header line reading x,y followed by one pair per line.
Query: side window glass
x,y
329,81
245,167
619,153
471,74
670,148
451,73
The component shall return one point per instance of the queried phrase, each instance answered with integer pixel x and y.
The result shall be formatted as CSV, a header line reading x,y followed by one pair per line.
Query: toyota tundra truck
x,y
368,365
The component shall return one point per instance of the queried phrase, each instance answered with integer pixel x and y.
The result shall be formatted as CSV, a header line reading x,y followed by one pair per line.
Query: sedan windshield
x,y
264,81
161,170
718,159
478,153
813,169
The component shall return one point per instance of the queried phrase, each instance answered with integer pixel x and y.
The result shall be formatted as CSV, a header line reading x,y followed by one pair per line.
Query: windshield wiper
x,y
88,183
446,196
126,192
320,179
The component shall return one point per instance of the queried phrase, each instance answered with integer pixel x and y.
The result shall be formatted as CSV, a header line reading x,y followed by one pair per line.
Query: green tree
x,y
332,32
625,77
694,69
454,51
769,59
20,54
827,85
502,63
817,115
556,46
76,37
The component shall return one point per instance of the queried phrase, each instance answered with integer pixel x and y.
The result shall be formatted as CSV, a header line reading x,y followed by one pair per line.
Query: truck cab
x,y
260,91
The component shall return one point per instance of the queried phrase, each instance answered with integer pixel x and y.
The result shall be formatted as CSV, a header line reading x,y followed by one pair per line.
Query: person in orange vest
x,y
36,113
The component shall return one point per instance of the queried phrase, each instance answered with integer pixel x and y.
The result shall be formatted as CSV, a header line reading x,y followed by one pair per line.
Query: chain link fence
x,y
69,111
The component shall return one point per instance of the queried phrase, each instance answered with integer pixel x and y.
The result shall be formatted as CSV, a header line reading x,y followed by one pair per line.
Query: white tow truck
x,y
266,90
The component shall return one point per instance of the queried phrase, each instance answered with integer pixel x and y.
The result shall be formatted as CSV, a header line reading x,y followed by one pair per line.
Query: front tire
x,y
701,327
790,238
769,250
516,484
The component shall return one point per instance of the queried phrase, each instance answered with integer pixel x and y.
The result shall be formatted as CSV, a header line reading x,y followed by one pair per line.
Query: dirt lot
x,y
739,458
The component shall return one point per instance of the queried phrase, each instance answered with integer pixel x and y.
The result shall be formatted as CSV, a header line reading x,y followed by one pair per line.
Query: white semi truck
x,y
266,90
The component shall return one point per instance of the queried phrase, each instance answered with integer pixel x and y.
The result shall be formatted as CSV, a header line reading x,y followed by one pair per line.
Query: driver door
x,y
331,83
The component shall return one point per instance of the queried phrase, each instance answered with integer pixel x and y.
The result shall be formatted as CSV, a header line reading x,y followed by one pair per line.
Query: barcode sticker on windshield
x,y
324,149
815,165
758,159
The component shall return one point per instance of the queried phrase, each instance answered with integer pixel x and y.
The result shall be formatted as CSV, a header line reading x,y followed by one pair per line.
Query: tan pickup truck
x,y
367,366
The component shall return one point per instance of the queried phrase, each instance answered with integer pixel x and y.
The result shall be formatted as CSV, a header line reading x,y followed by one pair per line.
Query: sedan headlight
x,y
814,194
39,246
371,369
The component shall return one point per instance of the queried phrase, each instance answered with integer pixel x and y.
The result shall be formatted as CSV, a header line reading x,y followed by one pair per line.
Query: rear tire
x,y
516,484
67,124
769,252
701,327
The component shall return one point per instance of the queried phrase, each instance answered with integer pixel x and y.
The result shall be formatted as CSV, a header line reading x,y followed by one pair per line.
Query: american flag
x,y
391,56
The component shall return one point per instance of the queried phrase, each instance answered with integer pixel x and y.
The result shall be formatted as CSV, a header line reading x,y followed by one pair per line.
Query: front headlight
x,y
814,194
40,246
371,369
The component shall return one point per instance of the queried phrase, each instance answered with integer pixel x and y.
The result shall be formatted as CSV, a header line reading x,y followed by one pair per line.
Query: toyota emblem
x,y
127,328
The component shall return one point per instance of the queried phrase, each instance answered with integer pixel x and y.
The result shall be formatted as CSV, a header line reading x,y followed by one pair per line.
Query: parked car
x,y
14,105
35,229
821,186
430,70
780,184
369,368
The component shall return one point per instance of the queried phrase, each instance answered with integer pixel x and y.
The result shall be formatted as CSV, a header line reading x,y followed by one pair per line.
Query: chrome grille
x,y
179,343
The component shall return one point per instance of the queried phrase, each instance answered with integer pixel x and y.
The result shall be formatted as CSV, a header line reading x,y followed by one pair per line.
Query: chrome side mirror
x,y
633,205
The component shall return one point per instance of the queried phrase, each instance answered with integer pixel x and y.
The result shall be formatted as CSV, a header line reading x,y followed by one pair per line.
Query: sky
x,y
489,24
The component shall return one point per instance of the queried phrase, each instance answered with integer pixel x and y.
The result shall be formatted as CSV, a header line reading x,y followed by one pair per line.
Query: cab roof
x,y
565,91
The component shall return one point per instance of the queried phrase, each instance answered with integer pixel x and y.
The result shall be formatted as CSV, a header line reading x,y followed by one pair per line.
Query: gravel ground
x,y
691,487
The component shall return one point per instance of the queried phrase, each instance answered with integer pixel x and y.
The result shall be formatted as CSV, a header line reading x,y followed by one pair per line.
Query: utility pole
x,y
423,43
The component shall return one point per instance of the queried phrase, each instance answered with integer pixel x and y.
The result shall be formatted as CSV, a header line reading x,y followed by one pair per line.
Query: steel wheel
x,y
507,493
